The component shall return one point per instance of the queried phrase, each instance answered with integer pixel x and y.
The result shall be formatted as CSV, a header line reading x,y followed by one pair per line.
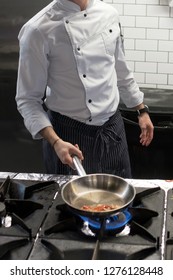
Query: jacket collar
x,y
71,5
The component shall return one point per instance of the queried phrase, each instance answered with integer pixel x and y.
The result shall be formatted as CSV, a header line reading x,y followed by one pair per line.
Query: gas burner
x,y
113,224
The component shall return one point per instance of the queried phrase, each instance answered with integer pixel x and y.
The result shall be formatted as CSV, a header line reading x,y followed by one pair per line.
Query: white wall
x,y
148,36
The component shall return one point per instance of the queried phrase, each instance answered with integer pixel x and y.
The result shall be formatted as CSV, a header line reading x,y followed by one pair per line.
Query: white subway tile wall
x,y
147,27
171,57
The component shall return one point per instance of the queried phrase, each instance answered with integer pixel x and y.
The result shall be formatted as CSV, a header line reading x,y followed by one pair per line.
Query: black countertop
x,y
160,101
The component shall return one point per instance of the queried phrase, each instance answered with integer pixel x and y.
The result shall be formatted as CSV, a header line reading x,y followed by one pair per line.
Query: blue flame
x,y
112,222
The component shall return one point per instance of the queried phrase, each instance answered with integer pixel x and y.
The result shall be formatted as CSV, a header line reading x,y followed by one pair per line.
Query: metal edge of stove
x,y
4,175
169,227
61,179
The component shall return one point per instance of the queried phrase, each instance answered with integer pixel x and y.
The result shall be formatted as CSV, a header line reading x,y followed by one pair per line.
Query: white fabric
x,y
171,3
77,57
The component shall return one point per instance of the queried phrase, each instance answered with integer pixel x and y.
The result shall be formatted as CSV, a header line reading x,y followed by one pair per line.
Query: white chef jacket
x,y
77,57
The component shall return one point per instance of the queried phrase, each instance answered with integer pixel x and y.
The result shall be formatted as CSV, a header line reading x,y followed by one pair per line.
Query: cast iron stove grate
x,y
15,248
23,208
169,227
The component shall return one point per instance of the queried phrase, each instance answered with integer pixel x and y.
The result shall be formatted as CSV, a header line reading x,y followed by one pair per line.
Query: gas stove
x,y
36,224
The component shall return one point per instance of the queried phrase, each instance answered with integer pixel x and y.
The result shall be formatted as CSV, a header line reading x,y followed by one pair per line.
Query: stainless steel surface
x,y
97,189
79,166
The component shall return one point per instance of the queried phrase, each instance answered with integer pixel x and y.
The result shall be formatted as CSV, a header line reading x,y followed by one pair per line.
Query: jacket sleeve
x,y
129,91
32,80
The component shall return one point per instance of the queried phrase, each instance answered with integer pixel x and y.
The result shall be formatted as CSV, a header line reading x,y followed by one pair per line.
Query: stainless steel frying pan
x,y
96,189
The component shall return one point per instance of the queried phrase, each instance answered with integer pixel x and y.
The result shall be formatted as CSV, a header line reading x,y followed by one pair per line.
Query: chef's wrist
x,y
140,106
143,110
56,141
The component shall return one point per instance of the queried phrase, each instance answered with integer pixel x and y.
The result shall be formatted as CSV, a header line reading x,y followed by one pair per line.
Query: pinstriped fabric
x,y
104,147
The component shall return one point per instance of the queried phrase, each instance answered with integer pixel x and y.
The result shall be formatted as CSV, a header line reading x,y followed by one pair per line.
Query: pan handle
x,y
78,165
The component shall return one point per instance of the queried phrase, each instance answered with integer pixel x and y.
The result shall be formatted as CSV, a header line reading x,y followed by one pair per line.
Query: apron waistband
x,y
85,129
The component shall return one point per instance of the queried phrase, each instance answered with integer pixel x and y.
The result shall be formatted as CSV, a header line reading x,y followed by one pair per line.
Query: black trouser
x,y
104,147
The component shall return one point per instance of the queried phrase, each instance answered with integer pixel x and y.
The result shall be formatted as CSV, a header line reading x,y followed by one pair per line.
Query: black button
x,y
89,100
78,49
67,21
84,75
110,30
85,15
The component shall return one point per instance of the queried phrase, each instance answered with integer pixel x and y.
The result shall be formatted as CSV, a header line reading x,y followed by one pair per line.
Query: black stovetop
x,y
49,232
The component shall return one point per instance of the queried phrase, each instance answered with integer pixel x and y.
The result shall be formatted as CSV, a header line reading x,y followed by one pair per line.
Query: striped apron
x,y
104,147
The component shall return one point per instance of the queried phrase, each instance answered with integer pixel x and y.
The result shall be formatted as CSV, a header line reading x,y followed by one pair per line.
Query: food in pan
x,y
99,207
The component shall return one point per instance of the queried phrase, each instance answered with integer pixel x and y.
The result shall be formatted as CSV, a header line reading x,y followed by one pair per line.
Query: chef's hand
x,y
65,150
147,129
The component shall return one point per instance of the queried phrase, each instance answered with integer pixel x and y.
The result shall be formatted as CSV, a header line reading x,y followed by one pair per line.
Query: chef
x,y
72,73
